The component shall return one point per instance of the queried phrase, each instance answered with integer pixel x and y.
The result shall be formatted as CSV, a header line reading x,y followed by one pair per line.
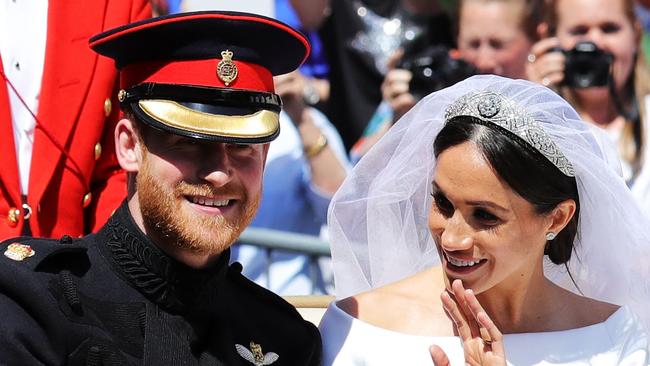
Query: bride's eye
x,y
442,204
485,217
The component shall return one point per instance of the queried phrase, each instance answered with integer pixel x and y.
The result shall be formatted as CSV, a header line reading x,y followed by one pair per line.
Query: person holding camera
x,y
494,37
592,57
358,38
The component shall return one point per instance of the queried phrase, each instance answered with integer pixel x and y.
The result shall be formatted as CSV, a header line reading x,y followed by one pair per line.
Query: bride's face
x,y
487,234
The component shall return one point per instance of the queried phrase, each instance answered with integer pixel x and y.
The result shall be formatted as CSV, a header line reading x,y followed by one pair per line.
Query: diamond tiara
x,y
495,108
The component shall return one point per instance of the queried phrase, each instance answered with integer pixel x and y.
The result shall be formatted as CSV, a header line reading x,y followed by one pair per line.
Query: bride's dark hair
x,y
523,168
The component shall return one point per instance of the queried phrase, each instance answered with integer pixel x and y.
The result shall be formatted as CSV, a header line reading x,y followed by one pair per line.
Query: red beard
x,y
166,219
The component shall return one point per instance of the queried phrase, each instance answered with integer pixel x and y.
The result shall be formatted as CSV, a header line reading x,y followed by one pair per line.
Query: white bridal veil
x,y
378,218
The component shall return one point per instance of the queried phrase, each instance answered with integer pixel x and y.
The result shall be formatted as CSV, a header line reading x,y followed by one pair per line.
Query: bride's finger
x,y
459,295
495,339
438,356
451,307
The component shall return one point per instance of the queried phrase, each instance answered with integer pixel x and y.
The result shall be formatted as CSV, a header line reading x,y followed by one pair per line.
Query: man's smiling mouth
x,y
207,201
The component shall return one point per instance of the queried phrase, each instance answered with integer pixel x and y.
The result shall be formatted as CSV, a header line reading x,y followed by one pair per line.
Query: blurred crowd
x,y
371,61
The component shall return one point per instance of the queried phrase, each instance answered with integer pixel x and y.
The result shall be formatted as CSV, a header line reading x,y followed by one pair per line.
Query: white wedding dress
x,y
620,340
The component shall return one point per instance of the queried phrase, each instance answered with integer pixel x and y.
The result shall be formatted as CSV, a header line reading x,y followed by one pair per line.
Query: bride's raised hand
x,y
482,340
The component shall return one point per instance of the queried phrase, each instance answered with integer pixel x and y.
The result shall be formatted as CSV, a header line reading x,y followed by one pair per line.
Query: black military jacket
x,y
113,298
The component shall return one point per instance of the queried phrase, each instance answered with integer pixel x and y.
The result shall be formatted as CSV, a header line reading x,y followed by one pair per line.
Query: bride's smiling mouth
x,y
463,265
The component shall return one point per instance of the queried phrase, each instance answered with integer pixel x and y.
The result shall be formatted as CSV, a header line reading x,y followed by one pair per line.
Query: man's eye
x,y
240,146
240,149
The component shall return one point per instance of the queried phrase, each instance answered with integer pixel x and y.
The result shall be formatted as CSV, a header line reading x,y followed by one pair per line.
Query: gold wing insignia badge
x,y
255,354
226,69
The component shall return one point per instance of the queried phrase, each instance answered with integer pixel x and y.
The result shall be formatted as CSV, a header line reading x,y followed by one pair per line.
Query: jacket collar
x,y
162,279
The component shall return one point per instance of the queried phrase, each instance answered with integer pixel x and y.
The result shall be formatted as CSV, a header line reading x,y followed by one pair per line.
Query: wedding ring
x,y
531,58
485,336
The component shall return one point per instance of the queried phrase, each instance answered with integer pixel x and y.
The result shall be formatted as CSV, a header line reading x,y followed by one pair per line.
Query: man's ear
x,y
127,146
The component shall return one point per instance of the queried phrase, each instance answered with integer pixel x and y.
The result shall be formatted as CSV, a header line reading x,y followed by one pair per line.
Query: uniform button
x,y
65,239
14,216
28,211
108,107
88,197
98,150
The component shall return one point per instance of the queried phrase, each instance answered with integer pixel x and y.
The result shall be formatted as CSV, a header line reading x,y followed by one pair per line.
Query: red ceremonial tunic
x,y
78,108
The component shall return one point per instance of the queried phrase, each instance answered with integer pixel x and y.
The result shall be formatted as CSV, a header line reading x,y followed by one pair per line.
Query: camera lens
x,y
587,66
433,69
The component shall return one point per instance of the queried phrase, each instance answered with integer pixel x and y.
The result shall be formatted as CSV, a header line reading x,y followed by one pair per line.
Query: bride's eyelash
x,y
442,204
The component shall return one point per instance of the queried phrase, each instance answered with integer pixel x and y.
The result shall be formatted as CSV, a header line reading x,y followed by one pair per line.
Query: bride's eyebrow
x,y
436,188
480,203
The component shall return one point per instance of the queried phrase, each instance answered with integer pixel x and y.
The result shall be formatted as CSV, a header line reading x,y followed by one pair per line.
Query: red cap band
x,y
197,72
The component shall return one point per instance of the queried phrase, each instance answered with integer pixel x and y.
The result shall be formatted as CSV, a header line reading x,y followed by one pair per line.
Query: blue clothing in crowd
x,y
316,65
290,202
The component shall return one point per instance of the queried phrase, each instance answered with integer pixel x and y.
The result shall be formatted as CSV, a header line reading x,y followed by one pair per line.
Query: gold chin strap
x,y
257,125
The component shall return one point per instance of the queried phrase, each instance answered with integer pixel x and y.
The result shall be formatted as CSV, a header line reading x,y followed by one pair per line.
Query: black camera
x,y
433,69
586,66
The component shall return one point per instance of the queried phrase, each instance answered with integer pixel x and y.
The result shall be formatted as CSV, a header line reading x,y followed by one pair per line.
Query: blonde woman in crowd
x,y
621,107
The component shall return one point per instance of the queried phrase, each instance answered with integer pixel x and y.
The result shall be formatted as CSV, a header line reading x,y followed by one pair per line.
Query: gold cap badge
x,y
19,252
226,69
255,354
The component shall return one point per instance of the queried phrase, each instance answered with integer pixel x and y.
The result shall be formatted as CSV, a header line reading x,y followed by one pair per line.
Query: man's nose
x,y
216,166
